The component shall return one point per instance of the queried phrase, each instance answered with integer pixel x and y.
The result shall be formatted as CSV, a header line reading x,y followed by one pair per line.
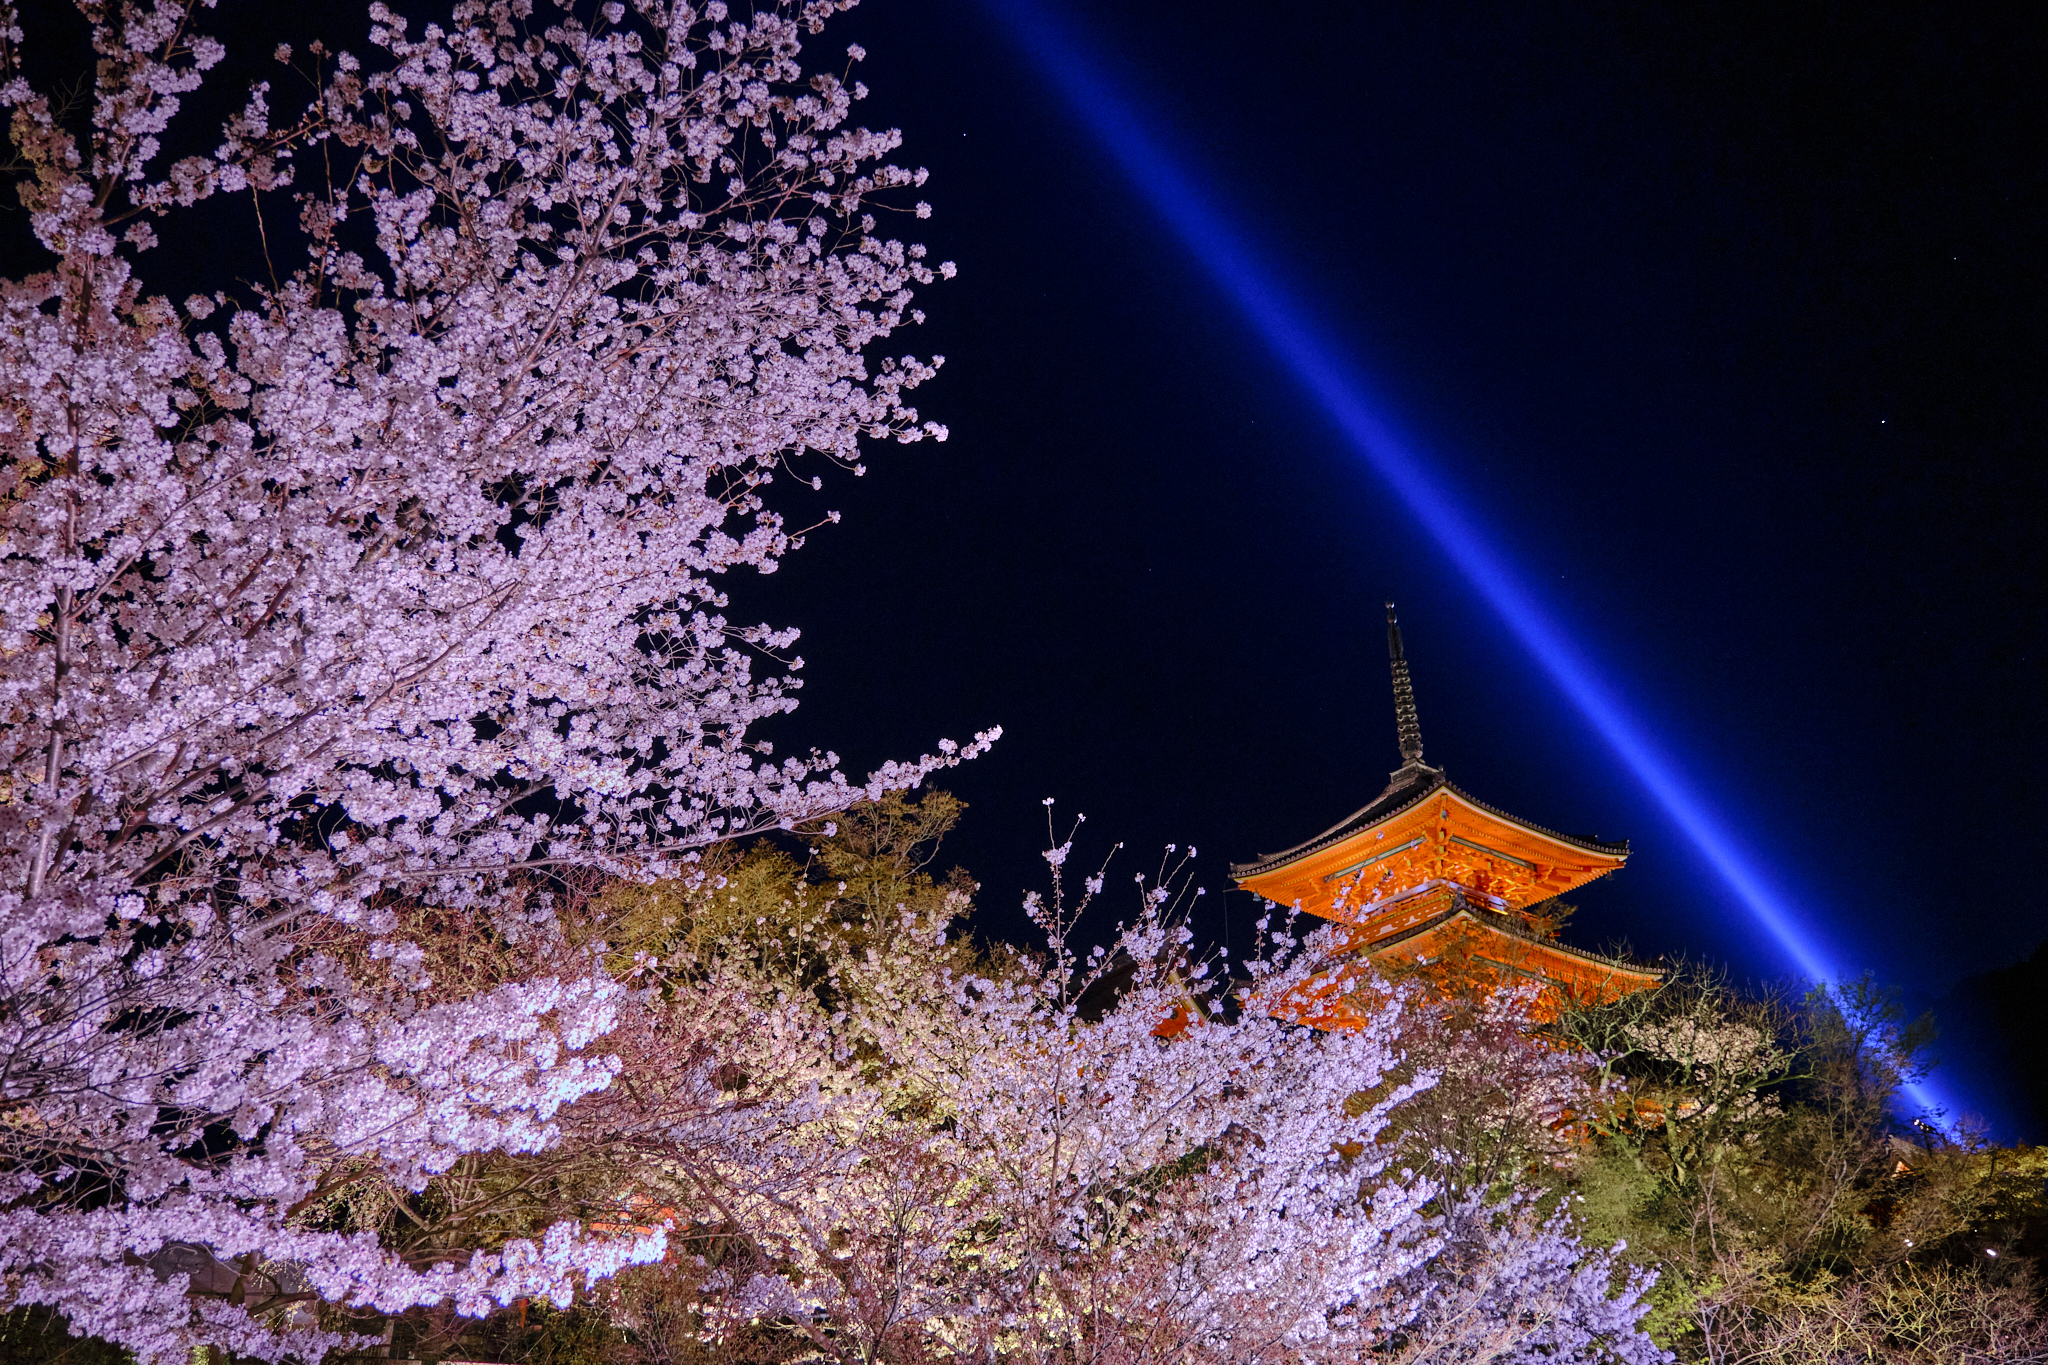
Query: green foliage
x,y
36,1336
1749,1149
574,1336
859,886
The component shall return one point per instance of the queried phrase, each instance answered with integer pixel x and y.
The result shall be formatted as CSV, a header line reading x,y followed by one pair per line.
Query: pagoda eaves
x,y
1427,870
1424,828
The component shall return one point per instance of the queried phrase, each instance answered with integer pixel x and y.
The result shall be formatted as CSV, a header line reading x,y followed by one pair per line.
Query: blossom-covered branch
x,y
397,577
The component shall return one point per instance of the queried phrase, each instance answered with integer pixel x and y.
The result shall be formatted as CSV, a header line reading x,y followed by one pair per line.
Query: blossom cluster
x,y
397,579
1126,1154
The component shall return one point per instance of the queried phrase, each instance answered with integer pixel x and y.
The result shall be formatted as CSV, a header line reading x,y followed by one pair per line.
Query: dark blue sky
x,y
1726,325
1727,329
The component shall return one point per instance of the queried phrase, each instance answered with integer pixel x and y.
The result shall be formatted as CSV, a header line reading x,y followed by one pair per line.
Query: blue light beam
x,y
1235,266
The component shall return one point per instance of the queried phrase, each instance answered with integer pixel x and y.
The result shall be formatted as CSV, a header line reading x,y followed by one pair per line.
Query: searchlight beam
x,y
1237,269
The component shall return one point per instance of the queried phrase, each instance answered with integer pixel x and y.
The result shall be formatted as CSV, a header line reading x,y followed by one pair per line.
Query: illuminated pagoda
x,y
1426,874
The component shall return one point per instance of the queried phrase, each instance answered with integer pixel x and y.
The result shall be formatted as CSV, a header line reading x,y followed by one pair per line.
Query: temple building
x,y
1427,874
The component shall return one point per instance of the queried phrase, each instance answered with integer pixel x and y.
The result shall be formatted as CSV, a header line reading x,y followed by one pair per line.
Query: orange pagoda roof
x,y
1421,829
1425,863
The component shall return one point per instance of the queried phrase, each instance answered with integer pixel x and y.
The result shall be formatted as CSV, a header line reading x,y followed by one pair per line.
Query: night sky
x,y
1725,326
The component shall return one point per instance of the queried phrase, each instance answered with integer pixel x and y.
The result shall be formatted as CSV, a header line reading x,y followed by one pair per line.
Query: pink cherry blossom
x,y
400,578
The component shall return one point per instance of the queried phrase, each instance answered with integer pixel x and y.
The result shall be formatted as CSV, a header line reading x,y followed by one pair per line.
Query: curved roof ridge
x,y
1349,824
1426,780
1382,807
1514,931
1576,841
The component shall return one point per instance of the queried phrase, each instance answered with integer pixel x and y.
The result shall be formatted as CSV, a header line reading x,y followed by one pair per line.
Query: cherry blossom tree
x,y
1005,1162
396,579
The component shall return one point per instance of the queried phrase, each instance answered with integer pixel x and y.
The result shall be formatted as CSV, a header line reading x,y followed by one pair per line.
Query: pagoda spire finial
x,y
1406,726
